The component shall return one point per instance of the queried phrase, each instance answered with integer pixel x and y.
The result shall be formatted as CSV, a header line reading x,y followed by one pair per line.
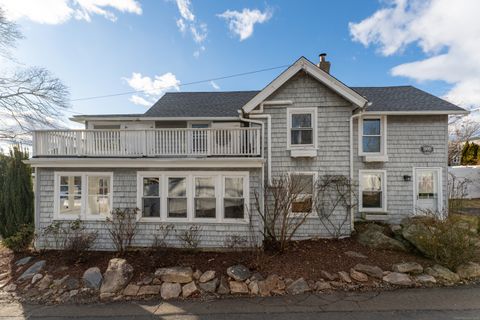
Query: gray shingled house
x,y
197,158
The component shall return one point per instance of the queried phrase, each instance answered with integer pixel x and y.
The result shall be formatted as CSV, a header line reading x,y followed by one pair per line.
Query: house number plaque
x,y
426,149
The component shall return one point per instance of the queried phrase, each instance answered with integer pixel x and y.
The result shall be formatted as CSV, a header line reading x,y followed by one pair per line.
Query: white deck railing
x,y
238,142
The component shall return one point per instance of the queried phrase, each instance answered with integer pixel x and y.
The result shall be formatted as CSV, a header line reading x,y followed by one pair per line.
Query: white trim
x,y
383,136
303,64
384,207
82,118
54,162
439,171
273,103
313,113
84,195
218,176
416,113
191,122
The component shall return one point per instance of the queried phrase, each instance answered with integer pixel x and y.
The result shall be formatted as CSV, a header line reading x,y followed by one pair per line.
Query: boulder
x,y
32,270
11,287
328,276
223,287
175,274
197,274
257,276
45,282
23,261
425,279
170,290
189,289
148,290
397,278
36,278
470,270
354,254
210,286
239,272
131,290
372,271
344,276
57,283
72,283
263,288
275,284
253,287
298,286
207,276
442,273
358,276
238,287
92,278
117,276
412,232
408,267
147,280
378,240
322,285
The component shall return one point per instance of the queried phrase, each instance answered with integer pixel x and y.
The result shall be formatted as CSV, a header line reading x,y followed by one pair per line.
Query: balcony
x,y
155,143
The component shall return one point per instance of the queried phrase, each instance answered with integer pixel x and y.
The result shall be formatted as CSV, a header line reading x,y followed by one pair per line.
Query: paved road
x,y
462,303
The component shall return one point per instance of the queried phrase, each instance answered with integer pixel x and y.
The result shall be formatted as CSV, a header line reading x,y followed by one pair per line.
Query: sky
x,y
104,47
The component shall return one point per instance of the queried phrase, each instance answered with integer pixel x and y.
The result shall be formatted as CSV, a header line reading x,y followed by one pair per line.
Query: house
x,y
198,158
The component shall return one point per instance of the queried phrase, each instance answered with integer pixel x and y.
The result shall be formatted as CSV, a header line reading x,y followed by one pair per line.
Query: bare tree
x,y
30,98
460,132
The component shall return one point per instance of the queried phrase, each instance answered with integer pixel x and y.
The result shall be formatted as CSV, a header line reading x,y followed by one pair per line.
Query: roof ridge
x,y
233,91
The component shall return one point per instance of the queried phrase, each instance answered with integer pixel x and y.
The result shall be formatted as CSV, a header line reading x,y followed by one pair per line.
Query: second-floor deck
x,y
169,143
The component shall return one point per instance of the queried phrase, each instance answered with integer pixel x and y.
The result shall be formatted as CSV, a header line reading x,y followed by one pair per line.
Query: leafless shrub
x,y
56,231
275,209
457,192
161,235
122,227
78,239
236,242
334,200
190,237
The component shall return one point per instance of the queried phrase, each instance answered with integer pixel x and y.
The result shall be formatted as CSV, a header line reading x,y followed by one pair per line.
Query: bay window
x,y
373,195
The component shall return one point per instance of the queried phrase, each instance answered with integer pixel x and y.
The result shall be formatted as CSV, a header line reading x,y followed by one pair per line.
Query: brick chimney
x,y
324,64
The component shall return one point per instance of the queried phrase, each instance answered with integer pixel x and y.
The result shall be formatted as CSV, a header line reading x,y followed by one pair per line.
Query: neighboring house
x,y
198,158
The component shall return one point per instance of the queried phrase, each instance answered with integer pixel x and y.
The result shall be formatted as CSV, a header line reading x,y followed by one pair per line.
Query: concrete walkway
x,y
438,303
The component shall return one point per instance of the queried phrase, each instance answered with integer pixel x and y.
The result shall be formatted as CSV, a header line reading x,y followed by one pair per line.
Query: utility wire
x,y
181,85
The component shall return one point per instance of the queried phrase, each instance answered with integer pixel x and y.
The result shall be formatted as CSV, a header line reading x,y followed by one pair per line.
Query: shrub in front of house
x,y
21,240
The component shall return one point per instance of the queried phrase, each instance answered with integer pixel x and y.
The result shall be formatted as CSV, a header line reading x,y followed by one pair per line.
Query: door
x,y
427,189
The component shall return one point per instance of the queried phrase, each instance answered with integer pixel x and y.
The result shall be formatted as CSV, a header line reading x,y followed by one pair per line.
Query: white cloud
x,y
214,85
150,89
185,10
188,22
242,23
449,36
60,11
197,52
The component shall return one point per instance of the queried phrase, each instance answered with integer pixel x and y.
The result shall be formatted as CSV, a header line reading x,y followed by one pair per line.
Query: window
x,y
177,197
151,197
233,201
303,184
372,138
373,190
205,200
302,127
82,195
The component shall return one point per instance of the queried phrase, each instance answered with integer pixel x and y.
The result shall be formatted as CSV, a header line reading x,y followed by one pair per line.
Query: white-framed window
x,y
302,128
372,135
373,190
303,183
84,195
193,196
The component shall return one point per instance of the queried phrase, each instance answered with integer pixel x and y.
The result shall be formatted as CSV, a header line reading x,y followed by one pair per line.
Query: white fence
x,y
472,173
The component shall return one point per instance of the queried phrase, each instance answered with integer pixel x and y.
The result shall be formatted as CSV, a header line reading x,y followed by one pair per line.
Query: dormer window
x,y
372,138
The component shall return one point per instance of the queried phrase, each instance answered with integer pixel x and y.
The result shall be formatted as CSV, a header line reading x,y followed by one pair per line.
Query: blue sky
x,y
94,55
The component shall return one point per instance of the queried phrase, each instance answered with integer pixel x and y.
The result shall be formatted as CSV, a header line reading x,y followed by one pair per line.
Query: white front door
x,y
427,189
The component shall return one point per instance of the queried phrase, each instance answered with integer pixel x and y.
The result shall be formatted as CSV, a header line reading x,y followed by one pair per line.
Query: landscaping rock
x,y
425,279
328,276
148,290
358,276
470,270
408,267
253,287
397,278
263,288
45,282
298,286
442,273
238,287
223,287
197,274
354,254
257,276
11,287
147,280
322,285
23,261
210,286
117,276
59,282
275,283
412,232
30,272
156,281
207,276
378,240
131,290
36,278
92,278
189,289
372,271
170,290
175,274
239,272
4,275
72,283
344,276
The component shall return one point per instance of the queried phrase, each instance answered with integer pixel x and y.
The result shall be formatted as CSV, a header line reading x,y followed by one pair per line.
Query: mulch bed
x,y
301,259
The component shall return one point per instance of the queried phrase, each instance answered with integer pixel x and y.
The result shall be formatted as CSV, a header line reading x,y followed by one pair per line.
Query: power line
x,y
181,85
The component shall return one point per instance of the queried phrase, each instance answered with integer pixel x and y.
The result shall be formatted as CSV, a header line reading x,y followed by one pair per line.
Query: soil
x,y
301,259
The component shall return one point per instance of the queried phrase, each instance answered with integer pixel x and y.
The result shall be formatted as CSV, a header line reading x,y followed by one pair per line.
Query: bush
x,y
449,242
21,240
122,227
191,237
77,239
